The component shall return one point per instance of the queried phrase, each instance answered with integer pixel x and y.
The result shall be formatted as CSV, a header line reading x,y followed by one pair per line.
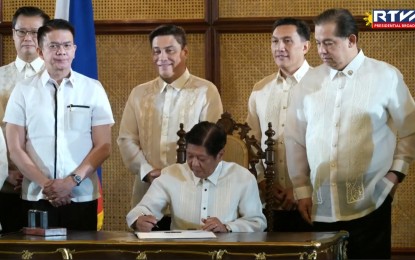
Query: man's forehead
x,y
164,40
58,32
329,27
30,20
282,33
196,149
60,36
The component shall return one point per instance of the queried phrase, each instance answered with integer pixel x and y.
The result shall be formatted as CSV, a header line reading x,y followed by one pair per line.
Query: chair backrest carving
x,y
181,145
246,151
240,148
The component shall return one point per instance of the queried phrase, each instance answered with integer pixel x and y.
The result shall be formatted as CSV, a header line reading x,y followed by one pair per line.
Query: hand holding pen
x,y
145,223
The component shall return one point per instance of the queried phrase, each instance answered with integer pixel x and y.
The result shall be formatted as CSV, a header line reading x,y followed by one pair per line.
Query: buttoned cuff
x,y
231,227
303,192
144,169
400,166
131,220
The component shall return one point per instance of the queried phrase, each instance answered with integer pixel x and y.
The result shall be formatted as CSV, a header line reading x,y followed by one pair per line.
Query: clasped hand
x,y
15,178
284,197
58,191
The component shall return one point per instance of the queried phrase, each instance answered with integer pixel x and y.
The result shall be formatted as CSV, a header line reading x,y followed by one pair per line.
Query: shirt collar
x,y
351,68
213,178
299,74
177,84
45,78
37,64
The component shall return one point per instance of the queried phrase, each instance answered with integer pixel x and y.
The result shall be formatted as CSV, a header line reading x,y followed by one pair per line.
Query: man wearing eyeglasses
x,y
25,23
58,132
350,139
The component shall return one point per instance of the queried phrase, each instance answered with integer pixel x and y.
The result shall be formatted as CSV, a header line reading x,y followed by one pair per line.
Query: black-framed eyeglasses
x,y
23,33
57,46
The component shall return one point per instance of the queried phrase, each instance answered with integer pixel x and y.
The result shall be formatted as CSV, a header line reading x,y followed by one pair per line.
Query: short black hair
x,y
29,11
302,27
51,25
169,29
346,25
208,135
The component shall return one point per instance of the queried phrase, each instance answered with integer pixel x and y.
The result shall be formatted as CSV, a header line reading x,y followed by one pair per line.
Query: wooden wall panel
x,y
9,51
148,9
9,7
273,8
123,9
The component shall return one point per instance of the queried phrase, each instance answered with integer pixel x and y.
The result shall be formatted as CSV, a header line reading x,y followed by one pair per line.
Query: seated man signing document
x,y
204,193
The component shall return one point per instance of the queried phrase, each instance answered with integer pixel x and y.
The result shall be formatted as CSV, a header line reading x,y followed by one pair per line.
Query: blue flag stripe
x,y
82,18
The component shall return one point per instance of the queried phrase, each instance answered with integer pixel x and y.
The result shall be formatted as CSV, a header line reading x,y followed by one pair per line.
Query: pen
x,y
155,225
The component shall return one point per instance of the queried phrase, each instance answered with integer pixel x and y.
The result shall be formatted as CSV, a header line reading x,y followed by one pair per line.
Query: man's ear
x,y
40,52
220,154
352,40
185,51
74,50
306,47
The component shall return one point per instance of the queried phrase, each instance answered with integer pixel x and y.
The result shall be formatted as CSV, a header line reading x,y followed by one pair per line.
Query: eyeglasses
x,y
23,33
57,46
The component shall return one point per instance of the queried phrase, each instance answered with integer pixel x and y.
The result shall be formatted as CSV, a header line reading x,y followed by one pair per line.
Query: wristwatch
x,y
76,178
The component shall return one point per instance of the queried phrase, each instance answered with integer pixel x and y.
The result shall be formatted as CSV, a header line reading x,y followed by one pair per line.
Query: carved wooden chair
x,y
244,150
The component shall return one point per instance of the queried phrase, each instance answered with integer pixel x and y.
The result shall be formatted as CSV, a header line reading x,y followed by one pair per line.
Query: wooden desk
x,y
124,245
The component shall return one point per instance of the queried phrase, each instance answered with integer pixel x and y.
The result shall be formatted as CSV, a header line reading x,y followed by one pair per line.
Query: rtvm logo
x,y
398,19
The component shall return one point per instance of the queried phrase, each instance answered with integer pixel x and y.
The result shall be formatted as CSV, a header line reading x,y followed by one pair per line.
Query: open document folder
x,y
176,234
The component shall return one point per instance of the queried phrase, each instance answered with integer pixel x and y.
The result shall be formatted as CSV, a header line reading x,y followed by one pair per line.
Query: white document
x,y
176,234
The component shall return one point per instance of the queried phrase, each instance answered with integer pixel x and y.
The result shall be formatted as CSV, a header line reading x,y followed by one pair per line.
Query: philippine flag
x,y
80,14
